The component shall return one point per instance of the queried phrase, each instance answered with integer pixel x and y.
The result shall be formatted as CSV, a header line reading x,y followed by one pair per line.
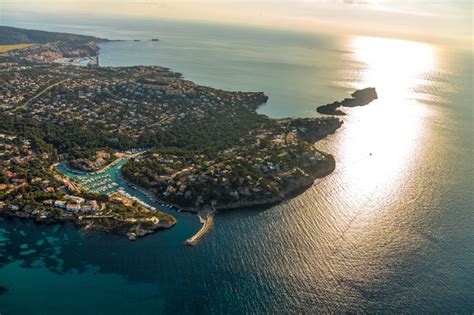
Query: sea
x,y
390,230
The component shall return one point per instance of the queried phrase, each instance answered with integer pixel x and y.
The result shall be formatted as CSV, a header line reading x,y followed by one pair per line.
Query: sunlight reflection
x,y
397,67
380,143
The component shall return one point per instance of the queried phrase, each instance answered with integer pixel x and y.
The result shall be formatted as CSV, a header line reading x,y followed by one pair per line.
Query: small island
x,y
359,98
201,149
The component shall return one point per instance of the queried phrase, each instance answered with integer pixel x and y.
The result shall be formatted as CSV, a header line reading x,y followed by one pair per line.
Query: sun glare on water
x,y
382,140
396,67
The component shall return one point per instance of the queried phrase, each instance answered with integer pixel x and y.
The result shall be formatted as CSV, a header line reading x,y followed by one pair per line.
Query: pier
x,y
207,222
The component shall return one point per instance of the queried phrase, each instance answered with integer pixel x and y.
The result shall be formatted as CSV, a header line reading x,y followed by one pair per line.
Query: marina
x,y
110,181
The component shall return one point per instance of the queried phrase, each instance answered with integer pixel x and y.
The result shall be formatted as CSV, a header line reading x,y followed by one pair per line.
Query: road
x,y
40,93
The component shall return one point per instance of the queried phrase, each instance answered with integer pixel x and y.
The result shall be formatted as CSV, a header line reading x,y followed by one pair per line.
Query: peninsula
x,y
204,149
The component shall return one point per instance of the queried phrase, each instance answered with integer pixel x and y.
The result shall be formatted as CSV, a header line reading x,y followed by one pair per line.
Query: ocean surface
x,y
391,230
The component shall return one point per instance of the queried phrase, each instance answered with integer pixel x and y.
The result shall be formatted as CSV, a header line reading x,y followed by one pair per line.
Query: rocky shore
x,y
293,187
132,228
359,98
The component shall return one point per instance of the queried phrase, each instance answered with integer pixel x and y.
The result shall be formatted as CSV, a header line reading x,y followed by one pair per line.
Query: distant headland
x,y
359,98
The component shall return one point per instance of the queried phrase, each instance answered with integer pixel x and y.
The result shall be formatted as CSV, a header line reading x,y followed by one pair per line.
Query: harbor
x,y
109,181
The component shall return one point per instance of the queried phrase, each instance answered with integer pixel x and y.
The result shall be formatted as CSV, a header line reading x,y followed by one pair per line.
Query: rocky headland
x,y
359,98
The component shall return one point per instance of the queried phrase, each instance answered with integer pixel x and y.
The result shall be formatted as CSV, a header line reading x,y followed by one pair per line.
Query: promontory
x,y
204,148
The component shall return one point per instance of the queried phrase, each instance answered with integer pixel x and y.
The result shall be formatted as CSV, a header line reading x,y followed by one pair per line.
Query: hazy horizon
x,y
438,22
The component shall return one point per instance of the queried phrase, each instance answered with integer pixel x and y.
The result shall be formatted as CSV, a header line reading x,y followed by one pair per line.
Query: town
x,y
205,148
30,187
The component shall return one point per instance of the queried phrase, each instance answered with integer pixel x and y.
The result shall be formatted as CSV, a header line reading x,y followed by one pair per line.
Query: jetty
x,y
207,219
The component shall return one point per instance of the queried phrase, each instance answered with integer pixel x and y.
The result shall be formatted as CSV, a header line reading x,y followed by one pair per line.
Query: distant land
x,y
359,98
201,149
12,35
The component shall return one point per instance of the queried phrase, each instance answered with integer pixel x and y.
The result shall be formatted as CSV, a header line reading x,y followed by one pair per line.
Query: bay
x,y
389,230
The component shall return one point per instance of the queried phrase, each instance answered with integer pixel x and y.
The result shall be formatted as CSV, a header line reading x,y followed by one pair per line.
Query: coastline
x,y
139,229
302,164
130,227
293,189
298,187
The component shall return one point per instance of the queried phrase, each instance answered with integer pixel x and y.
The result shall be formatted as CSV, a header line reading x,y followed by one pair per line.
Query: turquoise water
x,y
91,181
114,175
390,230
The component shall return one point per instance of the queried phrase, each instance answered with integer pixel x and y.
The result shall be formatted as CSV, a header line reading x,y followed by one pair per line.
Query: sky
x,y
426,20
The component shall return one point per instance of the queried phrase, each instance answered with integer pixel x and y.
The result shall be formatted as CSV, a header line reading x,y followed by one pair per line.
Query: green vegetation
x,y
204,147
31,188
5,48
